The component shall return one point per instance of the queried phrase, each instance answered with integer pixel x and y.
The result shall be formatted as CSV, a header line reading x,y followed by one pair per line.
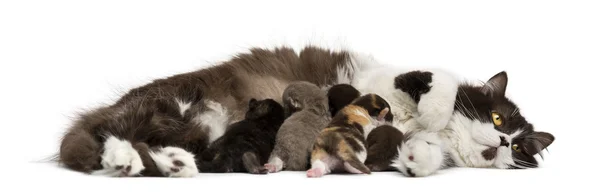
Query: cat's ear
x,y
496,86
537,142
383,113
296,104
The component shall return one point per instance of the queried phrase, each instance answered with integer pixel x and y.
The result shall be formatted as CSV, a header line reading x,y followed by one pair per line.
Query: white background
x,y
59,57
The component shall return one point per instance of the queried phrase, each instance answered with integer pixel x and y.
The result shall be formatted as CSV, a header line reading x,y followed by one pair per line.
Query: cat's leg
x,y
435,94
275,164
321,164
174,162
421,155
119,158
252,163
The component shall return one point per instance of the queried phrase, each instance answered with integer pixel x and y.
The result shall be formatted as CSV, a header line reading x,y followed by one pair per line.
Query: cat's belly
x,y
380,81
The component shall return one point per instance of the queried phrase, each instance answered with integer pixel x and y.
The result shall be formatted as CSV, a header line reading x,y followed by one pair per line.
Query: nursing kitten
x,y
308,107
382,147
341,95
342,145
247,144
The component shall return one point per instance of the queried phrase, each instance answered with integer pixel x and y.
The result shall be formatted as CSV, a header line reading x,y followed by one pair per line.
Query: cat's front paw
x,y
420,156
436,106
119,159
174,162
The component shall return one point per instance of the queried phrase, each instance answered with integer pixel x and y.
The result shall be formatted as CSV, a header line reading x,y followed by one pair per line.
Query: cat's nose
x,y
503,141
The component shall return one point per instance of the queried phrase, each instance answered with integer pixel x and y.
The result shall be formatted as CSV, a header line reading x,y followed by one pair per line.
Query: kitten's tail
x,y
354,162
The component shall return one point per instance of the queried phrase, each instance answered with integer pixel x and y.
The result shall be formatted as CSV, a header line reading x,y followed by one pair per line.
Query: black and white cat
x,y
451,123
159,129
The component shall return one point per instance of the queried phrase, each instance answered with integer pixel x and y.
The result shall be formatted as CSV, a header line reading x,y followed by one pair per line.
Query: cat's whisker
x,y
527,164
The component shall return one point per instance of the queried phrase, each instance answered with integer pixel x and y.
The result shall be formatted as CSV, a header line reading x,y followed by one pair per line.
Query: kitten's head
x,y
304,95
487,111
267,109
377,107
341,95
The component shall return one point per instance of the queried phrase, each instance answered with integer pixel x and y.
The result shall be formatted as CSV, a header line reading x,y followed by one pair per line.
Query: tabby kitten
x,y
341,145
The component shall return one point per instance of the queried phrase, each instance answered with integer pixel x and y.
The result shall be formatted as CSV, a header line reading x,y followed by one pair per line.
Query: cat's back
x,y
303,124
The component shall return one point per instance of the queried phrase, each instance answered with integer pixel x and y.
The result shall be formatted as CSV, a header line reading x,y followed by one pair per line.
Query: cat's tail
x,y
352,164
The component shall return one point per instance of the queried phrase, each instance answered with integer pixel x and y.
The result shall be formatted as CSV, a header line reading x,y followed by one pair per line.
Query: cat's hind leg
x,y
252,163
119,159
321,164
174,162
275,164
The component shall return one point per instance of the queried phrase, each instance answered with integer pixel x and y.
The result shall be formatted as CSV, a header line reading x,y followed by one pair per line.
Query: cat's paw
x,y
119,159
437,105
174,162
259,170
315,173
275,165
420,156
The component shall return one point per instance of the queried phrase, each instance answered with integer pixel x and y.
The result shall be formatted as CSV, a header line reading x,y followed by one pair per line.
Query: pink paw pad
x,y
312,173
271,168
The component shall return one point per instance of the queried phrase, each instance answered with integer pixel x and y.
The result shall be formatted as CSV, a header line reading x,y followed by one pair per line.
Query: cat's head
x,y
377,107
264,109
341,95
489,114
302,95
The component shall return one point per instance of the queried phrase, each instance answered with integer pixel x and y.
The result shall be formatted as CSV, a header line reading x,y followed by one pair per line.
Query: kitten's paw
x,y
271,168
119,159
275,165
420,156
260,170
175,162
315,172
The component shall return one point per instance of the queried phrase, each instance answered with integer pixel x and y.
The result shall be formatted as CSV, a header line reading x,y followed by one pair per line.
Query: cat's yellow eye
x,y
496,119
516,148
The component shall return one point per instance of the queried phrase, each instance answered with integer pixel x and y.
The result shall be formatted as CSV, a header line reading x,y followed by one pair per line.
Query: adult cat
x,y
156,129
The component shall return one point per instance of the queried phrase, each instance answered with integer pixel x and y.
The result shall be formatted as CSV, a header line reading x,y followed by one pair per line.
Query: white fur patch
x,y
166,158
467,139
183,106
215,118
322,166
436,106
119,159
362,156
274,165
427,154
504,157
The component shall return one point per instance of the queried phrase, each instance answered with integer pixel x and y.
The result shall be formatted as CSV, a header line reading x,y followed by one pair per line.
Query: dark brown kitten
x,y
382,147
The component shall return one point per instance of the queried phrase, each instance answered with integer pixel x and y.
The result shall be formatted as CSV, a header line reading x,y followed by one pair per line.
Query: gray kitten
x,y
307,111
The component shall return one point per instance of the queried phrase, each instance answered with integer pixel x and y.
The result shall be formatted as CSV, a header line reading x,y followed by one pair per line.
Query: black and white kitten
x,y
247,144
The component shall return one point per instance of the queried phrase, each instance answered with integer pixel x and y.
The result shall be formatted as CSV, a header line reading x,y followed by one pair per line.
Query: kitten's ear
x,y
537,142
383,113
252,102
296,104
496,86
